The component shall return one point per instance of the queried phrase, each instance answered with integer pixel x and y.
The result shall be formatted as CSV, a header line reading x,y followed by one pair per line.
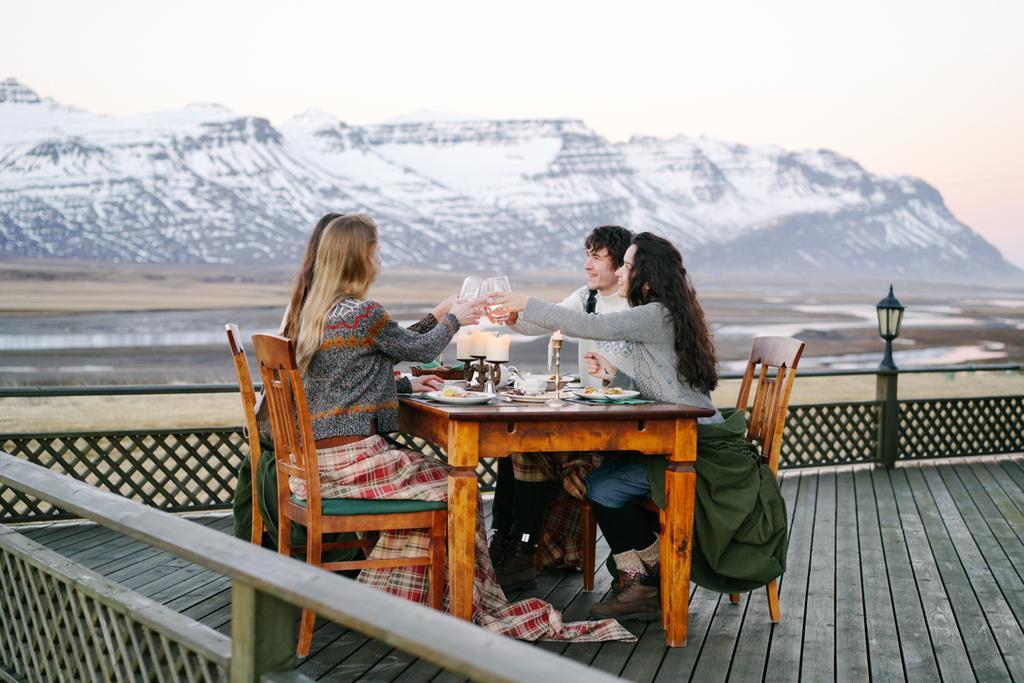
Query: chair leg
x,y
774,611
734,598
438,555
256,533
314,557
589,545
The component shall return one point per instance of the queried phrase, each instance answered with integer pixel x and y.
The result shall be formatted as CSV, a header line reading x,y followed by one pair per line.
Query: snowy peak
x,y
12,91
204,184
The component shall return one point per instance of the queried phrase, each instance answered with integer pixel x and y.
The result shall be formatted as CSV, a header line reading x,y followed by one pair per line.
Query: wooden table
x,y
473,432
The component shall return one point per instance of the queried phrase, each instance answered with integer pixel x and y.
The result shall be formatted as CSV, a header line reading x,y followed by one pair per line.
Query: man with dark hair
x,y
526,483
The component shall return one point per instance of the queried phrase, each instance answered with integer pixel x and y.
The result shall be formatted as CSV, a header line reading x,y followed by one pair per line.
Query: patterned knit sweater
x,y
350,381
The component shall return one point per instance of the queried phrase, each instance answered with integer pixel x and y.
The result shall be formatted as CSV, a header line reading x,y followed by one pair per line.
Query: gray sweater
x,y
350,381
650,329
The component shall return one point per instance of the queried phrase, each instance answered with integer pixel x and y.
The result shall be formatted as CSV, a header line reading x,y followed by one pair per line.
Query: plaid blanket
x,y
374,469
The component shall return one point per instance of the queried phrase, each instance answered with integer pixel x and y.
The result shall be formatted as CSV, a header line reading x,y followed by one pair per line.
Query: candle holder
x,y
557,401
477,371
494,371
467,369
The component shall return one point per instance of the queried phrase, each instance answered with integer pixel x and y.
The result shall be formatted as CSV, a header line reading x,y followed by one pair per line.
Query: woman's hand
x,y
467,312
426,382
513,302
443,308
599,367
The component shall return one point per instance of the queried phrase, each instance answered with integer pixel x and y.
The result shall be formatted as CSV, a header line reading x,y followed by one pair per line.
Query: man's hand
x,y
599,367
426,383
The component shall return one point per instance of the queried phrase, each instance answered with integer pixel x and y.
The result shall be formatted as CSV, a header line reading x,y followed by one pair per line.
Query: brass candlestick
x,y
467,369
557,401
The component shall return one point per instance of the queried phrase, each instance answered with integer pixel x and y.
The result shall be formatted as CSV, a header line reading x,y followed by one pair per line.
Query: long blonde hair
x,y
345,269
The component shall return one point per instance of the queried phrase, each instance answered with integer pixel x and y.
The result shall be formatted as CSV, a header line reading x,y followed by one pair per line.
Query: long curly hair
x,y
658,274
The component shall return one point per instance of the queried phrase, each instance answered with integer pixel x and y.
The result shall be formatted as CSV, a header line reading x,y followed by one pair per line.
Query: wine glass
x,y
494,285
470,291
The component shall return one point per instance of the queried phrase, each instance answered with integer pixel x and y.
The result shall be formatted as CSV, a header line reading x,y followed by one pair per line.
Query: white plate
x,y
602,398
471,398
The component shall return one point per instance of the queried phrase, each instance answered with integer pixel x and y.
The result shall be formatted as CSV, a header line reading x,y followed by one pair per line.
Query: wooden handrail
x,y
428,634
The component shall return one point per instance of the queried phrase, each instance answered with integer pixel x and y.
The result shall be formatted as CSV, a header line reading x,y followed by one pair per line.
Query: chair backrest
x,y
774,360
290,422
252,431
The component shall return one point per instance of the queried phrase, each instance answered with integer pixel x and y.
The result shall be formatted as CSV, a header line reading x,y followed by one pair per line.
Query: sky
x,y
931,89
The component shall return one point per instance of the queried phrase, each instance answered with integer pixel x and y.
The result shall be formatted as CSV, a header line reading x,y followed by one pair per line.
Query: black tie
x,y
592,301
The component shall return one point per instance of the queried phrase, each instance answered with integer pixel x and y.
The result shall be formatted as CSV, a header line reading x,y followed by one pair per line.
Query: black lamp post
x,y
890,320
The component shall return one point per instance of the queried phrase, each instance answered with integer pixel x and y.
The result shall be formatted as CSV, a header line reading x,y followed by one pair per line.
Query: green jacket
x,y
740,529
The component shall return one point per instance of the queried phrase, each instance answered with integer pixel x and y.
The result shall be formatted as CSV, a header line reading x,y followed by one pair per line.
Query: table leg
x,y
463,456
680,491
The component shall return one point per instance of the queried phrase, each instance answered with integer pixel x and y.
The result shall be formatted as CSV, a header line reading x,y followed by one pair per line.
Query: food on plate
x,y
592,391
613,391
454,392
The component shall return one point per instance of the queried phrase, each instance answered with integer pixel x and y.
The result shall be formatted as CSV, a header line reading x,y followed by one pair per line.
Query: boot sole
x,y
525,583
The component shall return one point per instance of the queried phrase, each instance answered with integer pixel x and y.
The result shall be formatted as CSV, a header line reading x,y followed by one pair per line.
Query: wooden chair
x,y
778,358
295,456
250,409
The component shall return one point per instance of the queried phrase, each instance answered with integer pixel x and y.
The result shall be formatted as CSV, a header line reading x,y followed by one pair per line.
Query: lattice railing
x,y
948,427
62,622
830,434
172,470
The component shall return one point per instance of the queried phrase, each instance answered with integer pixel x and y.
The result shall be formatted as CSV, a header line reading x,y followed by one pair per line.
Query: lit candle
x,y
462,346
497,347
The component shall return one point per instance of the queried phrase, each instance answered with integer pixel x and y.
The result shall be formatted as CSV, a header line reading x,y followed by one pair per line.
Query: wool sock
x,y
651,555
629,562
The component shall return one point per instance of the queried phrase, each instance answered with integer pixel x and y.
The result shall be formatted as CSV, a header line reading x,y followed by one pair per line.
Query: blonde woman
x,y
346,347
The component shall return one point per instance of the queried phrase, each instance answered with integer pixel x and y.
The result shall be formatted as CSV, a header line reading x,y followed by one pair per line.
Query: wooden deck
x,y
913,574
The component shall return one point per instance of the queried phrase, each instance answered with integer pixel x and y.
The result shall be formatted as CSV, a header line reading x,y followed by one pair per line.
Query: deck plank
x,y
851,648
915,638
884,658
818,657
909,572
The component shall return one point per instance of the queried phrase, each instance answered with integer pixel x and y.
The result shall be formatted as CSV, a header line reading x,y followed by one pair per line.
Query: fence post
x,y
263,634
888,423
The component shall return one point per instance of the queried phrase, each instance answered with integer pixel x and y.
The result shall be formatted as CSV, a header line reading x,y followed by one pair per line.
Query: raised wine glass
x,y
471,289
494,285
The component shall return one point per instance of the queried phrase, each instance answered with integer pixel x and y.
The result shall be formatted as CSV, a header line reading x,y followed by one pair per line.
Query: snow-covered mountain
x,y
204,184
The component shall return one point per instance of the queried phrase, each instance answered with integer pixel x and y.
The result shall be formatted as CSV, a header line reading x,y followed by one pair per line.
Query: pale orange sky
x,y
932,89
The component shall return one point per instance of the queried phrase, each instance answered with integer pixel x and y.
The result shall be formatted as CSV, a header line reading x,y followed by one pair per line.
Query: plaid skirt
x,y
375,469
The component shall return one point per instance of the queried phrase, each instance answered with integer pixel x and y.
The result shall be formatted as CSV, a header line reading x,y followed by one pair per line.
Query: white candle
x,y
478,343
556,335
497,347
462,346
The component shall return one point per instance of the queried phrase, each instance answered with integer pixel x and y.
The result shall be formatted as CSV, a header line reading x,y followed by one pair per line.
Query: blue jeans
x,y
618,481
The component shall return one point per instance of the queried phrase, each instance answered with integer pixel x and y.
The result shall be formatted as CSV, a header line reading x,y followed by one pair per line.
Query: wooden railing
x,y
266,590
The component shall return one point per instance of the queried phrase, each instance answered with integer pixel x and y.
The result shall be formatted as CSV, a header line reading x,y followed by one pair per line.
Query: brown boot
x,y
518,567
639,597
499,545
